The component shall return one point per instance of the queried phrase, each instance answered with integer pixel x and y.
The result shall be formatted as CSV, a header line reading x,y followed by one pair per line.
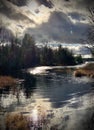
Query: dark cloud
x,y
50,3
75,4
18,2
83,2
59,28
24,2
87,2
46,3
12,14
77,16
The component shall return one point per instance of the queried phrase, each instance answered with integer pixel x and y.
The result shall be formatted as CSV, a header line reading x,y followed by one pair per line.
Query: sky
x,y
58,20
48,21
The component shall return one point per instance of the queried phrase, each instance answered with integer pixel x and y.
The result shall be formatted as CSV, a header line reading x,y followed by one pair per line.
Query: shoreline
x,y
87,70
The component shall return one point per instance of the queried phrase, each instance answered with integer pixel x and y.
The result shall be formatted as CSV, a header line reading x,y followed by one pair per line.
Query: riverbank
x,y
87,70
79,70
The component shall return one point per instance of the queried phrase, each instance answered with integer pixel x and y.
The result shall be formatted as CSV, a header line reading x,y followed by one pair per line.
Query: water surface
x,y
64,100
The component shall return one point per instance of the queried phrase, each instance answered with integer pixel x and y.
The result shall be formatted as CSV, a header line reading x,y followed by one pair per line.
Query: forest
x,y
22,54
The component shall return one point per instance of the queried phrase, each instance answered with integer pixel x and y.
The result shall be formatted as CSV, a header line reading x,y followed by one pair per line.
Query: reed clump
x,y
16,122
87,70
7,81
84,72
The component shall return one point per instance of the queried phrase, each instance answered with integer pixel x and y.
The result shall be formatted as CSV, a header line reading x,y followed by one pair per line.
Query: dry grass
x,y
87,70
83,72
7,81
89,66
16,122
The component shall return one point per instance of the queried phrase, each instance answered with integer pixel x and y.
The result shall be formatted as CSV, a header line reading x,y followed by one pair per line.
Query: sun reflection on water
x,y
35,115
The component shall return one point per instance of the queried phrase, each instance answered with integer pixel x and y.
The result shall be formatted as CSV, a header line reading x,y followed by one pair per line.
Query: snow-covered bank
x,y
39,70
45,69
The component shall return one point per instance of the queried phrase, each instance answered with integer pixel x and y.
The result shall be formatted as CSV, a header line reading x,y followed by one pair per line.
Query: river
x,y
66,102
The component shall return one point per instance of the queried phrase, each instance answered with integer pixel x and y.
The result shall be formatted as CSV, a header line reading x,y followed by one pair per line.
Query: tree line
x,y
24,54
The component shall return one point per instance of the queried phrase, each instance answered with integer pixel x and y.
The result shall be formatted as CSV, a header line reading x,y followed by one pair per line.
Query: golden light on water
x,y
38,114
35,115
